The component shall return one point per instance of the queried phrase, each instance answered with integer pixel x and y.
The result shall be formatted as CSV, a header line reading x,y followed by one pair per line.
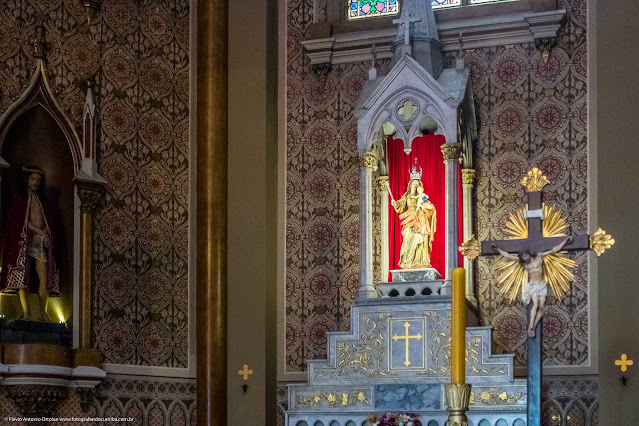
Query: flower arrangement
x,y
394,419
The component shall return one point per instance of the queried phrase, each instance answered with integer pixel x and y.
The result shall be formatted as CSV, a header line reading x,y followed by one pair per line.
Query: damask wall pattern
x,y
137,53
530,113
533,114
146,402
322,195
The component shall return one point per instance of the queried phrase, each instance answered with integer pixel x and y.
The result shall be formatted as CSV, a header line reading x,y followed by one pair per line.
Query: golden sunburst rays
x,y
556,268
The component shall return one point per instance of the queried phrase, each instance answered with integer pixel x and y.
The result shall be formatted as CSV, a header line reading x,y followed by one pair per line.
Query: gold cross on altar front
x,y
624,362
407,338
245,372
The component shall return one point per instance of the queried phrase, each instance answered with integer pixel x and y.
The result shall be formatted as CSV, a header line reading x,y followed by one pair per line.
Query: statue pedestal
x,y
38,367
32,332
414,275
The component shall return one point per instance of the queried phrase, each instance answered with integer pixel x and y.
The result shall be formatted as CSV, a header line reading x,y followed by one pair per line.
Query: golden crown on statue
x,y
416,171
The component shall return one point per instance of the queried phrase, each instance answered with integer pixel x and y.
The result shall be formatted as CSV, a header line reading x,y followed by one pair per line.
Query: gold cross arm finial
x,y
245,372
600,241
534,180
624,362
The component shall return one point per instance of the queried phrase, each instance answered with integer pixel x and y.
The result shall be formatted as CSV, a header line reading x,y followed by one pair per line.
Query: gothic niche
x,y
35,138
48,191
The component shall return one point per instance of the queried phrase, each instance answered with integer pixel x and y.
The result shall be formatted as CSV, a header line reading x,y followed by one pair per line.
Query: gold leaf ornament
x,y
471,248
600,242
534,180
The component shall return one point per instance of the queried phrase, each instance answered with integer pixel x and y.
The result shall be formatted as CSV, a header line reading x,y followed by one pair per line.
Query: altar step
x,y
396,358
367,350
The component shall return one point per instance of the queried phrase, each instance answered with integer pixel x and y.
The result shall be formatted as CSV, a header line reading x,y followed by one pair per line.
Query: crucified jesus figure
x,y
537,288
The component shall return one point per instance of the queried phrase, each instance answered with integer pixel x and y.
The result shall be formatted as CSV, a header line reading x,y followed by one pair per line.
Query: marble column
x,y
382,188
368,164
451,152
211,210
468,182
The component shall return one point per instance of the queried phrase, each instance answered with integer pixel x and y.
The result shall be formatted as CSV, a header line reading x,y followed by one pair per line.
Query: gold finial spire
x,y
535,180
39,43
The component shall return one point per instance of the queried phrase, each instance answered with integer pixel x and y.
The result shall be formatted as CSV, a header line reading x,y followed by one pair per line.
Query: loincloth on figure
x,y
36,249
534,288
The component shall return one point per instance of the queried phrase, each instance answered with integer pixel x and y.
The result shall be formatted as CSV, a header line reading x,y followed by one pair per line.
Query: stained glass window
x,y
367,8
445,3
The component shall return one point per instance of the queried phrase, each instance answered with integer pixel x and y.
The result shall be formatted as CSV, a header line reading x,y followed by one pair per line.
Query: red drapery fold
x,y
429,156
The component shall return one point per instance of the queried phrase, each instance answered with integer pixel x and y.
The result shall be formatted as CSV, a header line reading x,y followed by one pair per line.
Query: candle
x,y
458,327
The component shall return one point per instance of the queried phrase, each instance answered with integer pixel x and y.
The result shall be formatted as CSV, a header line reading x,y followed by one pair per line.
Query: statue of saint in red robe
x,y
28,246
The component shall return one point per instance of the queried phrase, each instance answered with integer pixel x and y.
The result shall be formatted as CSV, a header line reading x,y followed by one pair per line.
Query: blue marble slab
x,y
408,397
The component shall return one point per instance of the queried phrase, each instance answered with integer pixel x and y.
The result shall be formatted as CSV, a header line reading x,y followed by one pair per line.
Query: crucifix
x,y
535,237
405,21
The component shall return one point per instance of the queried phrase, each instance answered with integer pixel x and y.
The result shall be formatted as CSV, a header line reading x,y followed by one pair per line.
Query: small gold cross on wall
x,y
624,362
245,372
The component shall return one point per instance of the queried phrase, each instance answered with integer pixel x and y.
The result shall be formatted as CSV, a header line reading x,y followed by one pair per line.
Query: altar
x,y
416,127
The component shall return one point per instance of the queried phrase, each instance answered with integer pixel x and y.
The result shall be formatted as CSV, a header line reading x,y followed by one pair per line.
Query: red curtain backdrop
x,y
429,156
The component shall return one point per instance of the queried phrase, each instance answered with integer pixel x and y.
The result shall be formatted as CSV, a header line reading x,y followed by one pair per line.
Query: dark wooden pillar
x,y
212,183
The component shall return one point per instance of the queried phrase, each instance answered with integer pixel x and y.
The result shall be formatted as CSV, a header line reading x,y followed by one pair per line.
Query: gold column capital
x,y
368,160
468,176
451,151
382,183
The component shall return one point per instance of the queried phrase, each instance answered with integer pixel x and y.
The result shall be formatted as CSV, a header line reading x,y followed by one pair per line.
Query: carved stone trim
x,y
368,160
36,400
451,151
545,45
347,42
89,197
86,396
468,176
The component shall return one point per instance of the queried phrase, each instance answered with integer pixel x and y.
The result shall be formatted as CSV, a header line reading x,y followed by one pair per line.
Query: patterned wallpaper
x,y
137,52
533,114
147,402
322,235
529,114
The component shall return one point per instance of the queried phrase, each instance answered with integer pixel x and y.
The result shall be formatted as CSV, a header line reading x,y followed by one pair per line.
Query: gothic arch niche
x,y
34,130
35,138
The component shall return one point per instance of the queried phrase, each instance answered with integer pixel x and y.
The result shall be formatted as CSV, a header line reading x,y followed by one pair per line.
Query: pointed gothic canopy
x,y
417,36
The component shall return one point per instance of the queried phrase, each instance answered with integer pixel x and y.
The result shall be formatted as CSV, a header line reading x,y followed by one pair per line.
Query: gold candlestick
x,y
458,327
458,392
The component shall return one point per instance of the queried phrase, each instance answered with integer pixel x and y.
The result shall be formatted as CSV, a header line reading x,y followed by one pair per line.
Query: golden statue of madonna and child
x,y
419,222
